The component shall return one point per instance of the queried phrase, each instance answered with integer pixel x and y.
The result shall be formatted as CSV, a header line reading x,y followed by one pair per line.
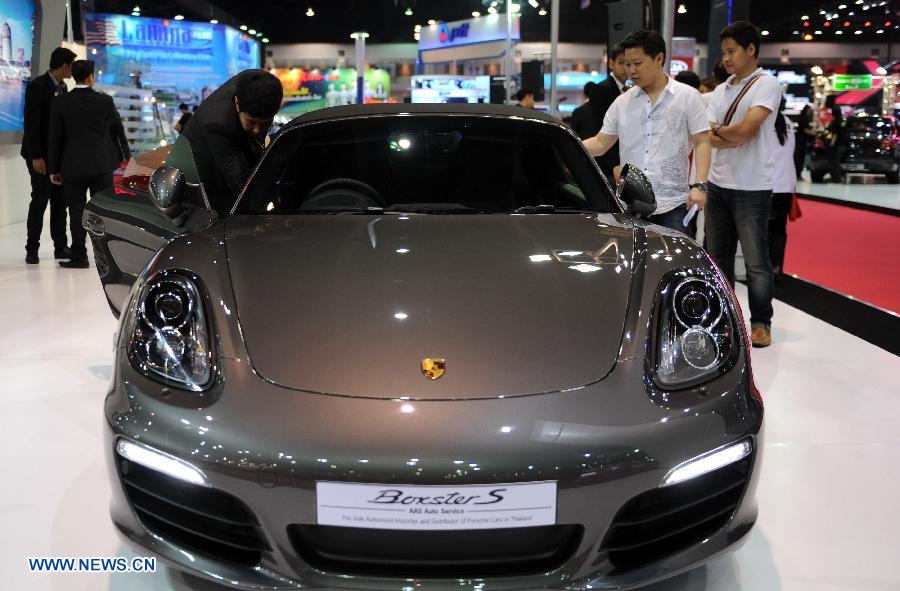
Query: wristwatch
x,y
704,186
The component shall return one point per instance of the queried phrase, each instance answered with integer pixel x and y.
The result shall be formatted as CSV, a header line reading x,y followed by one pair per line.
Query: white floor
x,y
829,517
884,195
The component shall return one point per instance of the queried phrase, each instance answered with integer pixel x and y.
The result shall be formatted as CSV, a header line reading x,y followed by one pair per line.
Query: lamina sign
x,y
158,33
448,35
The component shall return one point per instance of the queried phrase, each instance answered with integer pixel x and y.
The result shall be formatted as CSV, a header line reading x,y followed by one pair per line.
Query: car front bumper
x,y
608,446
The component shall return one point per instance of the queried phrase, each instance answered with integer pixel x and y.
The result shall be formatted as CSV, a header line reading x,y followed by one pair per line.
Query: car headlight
x,y
170,337
696,335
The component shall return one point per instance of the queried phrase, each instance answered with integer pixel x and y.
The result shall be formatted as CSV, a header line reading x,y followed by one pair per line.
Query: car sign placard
x,y
404,507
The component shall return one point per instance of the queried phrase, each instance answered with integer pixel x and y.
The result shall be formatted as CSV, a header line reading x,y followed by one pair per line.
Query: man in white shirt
x,y
656,123
742,115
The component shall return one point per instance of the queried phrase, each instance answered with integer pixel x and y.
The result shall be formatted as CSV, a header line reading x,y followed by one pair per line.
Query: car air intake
x,y
202,519
431,554
664,521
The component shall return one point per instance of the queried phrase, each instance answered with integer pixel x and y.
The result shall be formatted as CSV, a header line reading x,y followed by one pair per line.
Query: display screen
x,y
188,59
308,90
16,40
451,89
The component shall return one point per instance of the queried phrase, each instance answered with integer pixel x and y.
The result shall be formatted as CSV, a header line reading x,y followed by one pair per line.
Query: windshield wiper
x,y
542,208
341,211
547,208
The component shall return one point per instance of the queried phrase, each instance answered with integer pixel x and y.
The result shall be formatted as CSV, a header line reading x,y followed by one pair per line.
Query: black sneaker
x,y
62,253
73,264
31,258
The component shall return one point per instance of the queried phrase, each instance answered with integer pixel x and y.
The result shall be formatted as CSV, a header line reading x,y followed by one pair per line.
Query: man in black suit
x,y
35,144
582,122
603,96
228,131
87,142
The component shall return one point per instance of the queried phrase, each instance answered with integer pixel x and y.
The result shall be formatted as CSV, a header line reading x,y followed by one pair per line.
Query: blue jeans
x,y
674,219
733,215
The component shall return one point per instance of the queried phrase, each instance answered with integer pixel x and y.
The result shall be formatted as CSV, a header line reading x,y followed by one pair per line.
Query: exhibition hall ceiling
x,y
581,21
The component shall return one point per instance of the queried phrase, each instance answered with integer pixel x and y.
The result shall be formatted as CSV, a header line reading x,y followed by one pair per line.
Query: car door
x,y
127,229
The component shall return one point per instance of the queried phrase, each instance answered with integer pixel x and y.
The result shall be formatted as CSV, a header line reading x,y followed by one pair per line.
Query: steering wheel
x,y
342,192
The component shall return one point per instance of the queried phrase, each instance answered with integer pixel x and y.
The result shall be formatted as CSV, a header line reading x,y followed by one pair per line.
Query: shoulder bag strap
x,y
729,115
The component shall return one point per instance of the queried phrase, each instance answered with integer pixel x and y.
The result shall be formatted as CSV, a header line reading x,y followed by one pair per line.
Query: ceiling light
x,y
259,34
514,8
252,31
213,21
408,11
804,18
796,32
135,14
432,22
243,27
310,12
817,70
765,33
858,33
417,36
542,11
476,14
818,32
534,3
868,23
179,17
859,1
821,12
879,31
838,32
492,10
842,7
417,28
682,9
846,23
265,39
807,37
827,24
136,9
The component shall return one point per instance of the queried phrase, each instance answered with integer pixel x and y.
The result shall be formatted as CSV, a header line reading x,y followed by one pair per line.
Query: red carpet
x,y
851,251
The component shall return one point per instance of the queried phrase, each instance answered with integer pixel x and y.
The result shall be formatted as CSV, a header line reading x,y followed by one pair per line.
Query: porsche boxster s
x,y
428,348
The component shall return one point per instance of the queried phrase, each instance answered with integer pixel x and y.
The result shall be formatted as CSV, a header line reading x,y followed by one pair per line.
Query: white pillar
x,y
509,56
668,29
360,38
554,44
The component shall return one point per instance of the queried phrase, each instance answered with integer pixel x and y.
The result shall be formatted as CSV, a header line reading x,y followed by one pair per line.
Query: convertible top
x,y
420,109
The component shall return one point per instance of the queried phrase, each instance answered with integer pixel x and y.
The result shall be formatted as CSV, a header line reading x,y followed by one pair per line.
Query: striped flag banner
x,y
102,32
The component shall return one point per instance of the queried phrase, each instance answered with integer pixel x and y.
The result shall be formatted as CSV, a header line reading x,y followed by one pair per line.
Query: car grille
x,y
208,521
429,554
664,521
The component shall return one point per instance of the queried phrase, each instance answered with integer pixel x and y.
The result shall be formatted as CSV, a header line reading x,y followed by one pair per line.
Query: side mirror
x,y
636,191
167,190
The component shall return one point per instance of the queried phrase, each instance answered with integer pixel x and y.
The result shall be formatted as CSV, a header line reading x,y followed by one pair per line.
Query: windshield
x,y
868,124
427,164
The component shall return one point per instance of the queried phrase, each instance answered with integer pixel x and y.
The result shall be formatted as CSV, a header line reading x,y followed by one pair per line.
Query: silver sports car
x,y
429,348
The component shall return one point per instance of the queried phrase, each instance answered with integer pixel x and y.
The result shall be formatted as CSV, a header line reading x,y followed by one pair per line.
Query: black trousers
x,y
75,189
781,207
42,193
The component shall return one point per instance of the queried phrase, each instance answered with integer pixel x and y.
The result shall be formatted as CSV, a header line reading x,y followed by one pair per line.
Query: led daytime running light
x,y
708,462
160,462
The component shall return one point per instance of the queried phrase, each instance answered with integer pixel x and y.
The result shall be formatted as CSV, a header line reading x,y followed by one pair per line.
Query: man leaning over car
x,y
228,131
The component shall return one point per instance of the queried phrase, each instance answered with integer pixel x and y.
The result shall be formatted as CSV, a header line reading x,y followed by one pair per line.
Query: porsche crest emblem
x,y
433,368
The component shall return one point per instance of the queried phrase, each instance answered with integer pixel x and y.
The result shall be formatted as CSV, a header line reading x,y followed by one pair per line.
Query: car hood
x,y
351,305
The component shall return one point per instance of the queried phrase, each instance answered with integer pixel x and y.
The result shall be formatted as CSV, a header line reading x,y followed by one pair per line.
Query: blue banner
x,y
16,41
189,59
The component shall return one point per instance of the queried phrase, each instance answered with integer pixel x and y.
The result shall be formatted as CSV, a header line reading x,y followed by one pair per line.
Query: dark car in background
x,y
866,143
428,348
